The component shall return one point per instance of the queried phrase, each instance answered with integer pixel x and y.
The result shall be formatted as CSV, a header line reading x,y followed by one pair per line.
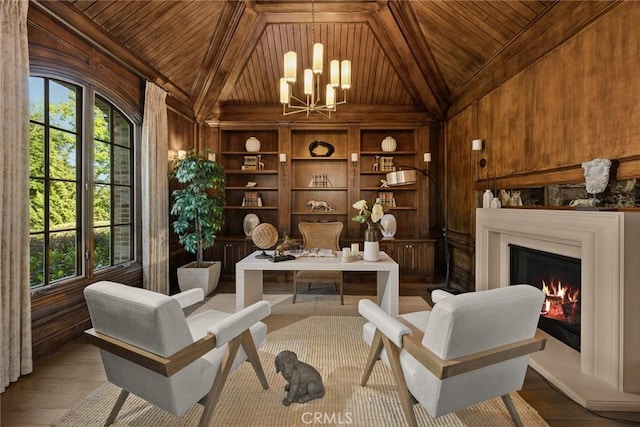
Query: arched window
x,y
81,187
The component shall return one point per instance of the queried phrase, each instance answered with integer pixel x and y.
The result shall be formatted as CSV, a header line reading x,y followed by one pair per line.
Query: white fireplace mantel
x,y
605,374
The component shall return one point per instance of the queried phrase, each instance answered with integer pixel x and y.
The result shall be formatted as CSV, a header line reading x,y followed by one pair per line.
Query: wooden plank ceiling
x,y
226,56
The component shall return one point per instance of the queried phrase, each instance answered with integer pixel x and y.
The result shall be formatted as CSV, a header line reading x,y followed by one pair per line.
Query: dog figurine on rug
x,y
304,382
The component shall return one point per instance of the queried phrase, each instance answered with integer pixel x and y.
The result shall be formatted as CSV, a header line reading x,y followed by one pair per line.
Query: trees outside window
x,y
74,231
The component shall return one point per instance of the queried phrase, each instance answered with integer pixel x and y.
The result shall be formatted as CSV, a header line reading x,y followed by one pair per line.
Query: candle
x,y
283,158
355,248
354,157
346,252
476,145
427,157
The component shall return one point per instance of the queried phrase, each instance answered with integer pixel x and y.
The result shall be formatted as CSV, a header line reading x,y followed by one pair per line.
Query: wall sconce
x,y
211,157
427,160
476,146
171,155
182,154
354,158
283,158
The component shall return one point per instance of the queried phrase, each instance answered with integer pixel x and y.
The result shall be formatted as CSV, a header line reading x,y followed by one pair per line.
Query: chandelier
x,y
340,77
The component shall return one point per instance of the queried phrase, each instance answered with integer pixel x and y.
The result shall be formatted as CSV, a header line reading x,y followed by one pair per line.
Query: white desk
x,y
249,285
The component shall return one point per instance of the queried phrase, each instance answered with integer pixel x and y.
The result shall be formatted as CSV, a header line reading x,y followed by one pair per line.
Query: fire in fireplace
x,y
559,278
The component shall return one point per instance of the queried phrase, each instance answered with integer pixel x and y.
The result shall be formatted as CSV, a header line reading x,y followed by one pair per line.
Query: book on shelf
x,y
251,199
386,199
386,164
320,180
250,163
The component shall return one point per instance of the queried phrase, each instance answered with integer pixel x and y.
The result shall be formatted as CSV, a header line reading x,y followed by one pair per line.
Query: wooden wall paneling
x,y
60,315
576,104
460,196
459,193
352,229
284,176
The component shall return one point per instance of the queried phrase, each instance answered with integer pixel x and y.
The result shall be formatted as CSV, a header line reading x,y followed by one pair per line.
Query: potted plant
x,y
198,208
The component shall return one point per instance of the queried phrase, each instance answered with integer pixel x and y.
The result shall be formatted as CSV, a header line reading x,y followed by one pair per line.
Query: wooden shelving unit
x,y
285,189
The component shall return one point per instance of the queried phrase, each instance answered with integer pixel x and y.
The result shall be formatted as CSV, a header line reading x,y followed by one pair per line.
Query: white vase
x,y
371,251
487,198
389,144
252,144
495,203
390,226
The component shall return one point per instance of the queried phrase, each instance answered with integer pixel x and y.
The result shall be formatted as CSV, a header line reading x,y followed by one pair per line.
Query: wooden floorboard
x,y
63,379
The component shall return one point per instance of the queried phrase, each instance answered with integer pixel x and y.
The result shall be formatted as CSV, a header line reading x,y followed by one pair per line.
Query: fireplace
x,y
558,276
603,375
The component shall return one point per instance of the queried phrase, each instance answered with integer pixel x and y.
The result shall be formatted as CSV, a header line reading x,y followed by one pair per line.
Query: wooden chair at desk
x,y
321,235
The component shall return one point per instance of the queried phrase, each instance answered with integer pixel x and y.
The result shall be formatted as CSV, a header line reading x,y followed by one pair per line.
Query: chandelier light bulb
x,y
331,97
345,74
290,66
334,66
284,91
318,55
308,81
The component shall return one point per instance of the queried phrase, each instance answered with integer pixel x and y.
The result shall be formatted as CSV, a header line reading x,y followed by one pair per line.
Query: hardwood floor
x,y
62,380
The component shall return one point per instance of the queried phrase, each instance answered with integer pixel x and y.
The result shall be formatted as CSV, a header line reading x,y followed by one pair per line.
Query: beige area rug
x,y
327,336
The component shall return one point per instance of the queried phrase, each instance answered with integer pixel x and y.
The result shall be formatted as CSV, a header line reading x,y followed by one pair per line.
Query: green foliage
x,y
199,206
62,255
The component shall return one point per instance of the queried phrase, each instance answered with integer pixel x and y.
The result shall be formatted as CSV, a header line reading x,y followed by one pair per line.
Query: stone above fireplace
x,y
604,375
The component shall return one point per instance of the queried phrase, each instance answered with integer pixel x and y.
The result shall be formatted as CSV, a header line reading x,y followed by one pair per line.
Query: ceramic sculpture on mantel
x,y
596,174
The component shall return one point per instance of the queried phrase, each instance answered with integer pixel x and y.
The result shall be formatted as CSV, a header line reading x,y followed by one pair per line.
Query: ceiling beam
x,y
225,30
396,47
409,26
242,42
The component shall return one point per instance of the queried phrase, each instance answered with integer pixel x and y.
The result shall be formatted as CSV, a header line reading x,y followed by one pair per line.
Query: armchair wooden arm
x,y
164,366
448,368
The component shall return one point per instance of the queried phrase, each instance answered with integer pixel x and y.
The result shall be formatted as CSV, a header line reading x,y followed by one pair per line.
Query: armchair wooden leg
x,y
372,358
216,388
393,353
116,408
250,349
512,410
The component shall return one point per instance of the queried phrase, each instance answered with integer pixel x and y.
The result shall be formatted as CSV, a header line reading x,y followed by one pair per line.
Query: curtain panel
x,y
155,189
15,299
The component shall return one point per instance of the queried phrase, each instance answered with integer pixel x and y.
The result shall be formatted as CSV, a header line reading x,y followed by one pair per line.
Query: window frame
x,y
85,161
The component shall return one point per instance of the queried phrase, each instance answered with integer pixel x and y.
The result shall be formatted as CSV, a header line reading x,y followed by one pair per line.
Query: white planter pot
x,y
206,277
252,144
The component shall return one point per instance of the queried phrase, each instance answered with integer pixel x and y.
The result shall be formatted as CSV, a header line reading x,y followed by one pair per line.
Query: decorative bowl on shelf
x,y
321,149
252,144
389,144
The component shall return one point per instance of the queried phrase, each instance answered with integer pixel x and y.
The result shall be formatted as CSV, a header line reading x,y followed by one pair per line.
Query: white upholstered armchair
x,y
469,348
150,349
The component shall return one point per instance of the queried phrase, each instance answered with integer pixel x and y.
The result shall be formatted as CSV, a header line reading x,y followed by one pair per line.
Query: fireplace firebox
x,y
559,277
